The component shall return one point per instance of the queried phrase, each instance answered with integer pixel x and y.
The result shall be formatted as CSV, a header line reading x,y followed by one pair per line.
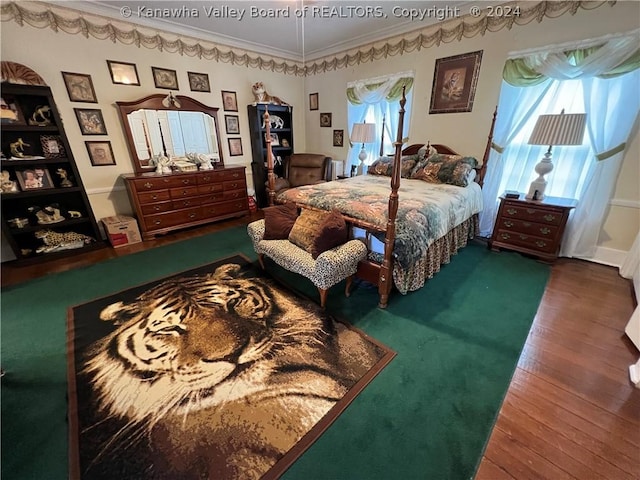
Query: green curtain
x,y
517,73
394,94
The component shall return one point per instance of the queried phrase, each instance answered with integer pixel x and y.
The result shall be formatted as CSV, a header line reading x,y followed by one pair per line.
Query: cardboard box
x,y
121,230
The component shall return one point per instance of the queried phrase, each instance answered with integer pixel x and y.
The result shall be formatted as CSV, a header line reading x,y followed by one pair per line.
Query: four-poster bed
x,y
414,237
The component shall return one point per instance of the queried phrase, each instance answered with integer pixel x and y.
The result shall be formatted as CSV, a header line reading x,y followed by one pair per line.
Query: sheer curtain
x,y
588,173
372,100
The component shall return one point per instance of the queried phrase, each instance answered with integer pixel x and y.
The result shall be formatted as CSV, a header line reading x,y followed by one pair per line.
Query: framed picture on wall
x,y
100,153
79,87
454,83
165,78
90,121
123,73
229,101
235,146
325,119
232,124
338,138
313,101
199,82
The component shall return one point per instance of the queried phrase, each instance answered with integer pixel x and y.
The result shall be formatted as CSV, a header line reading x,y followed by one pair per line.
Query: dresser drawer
x,y
234,174
234,184
530,228
533,214
210,177
210,188
169,181
212,198
160,207
223,208
234,194
183,192
170,219
543,245
156,196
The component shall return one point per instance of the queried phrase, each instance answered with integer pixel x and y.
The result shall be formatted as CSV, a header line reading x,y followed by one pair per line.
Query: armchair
x,y
304,169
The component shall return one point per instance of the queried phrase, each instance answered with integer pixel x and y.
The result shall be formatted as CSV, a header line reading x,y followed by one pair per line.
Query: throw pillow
x,y
332,232
382,166
306,228
279,220
449,169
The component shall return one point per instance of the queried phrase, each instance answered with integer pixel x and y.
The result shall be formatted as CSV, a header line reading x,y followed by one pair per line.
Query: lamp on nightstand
x,y
363,133
562,129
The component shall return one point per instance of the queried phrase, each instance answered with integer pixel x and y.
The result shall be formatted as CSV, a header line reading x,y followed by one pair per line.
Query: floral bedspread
x,y
426,211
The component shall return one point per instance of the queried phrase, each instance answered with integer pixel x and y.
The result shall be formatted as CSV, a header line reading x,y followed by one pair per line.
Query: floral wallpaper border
x,y
43,15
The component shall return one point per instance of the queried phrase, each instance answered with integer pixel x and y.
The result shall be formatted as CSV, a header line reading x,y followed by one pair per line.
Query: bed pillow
x,y
279,220
426,151
384,166
306,228
449,169
332,232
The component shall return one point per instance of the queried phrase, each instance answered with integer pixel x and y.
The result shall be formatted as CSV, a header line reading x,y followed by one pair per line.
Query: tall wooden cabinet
x,y
42,192
281,143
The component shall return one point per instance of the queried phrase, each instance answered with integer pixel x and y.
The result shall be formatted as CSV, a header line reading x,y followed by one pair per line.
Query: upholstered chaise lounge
x,y
330,267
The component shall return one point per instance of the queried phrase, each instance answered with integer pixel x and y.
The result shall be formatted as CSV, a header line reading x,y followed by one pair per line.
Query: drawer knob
x,y
158,222
545,231
192,215
512,211
156,208
549,217
236,175
505,236
526,224
206,178
186,203
185,193
530,211
508,224
185,181
148,185
541,243
523,237
155,197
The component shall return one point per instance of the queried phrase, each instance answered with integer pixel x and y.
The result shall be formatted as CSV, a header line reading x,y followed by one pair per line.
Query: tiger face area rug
x,y
215,373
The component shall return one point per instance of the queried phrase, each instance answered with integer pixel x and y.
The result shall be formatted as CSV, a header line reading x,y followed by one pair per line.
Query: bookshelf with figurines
x,y
45,209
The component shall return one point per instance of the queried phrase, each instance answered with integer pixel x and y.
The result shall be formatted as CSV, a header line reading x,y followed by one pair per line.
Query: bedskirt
x,y
439,253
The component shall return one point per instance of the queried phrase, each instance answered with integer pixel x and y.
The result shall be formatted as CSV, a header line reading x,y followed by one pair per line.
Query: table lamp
x,y
556,129
363,133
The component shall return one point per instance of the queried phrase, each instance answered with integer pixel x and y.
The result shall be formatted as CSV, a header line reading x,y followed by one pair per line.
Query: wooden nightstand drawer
x,y
544,245
533,213
529,228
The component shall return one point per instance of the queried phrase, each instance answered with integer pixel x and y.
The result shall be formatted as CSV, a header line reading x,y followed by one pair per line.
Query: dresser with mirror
x,y
180,179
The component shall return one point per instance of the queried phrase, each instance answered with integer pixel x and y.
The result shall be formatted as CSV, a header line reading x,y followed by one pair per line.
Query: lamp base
x,y
538,186
362,156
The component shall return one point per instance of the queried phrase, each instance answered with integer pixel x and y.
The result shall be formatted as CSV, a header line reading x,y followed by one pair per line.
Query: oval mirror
x,y
171,126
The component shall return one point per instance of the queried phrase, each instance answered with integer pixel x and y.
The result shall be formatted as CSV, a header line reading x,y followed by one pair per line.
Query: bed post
x,y
487,149
385,282
271,178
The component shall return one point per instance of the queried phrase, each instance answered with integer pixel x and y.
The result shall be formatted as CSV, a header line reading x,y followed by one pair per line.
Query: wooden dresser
x,y
532,227
166,202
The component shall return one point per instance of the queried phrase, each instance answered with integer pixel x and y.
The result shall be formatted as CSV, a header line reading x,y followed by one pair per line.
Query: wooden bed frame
x,y
370,271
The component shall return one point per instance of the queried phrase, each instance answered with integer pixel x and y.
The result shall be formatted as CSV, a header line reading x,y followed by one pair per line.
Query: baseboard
x,y
608,256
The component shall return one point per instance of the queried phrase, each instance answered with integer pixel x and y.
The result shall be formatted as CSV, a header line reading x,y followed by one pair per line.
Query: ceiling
x,y
279,27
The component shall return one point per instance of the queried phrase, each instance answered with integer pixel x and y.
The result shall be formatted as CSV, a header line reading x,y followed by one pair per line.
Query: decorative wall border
x,y
468,26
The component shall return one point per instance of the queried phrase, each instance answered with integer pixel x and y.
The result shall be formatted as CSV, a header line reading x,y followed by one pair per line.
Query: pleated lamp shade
x,y
363,133
559,129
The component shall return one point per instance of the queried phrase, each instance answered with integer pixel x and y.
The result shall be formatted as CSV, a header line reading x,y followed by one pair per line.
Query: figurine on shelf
x,y
162,163
64,178
47,215
6,184
41,116
205,162
17,148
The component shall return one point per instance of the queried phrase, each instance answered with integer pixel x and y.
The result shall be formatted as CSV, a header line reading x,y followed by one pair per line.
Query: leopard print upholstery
x,y
329,268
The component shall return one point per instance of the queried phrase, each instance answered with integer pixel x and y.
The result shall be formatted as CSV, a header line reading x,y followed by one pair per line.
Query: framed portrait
x,y
338,138
325,119
313,101
165,78
34,178
275,140
11,112
52,146
100,153
229,101
199,82
235,146
90,121
123,73
454,83
79,87
232,123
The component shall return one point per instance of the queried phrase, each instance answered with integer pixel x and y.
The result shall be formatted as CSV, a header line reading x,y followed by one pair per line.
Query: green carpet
x,y
426,416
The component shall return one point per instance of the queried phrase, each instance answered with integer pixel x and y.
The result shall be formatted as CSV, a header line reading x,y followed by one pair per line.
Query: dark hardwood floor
x,y
570,411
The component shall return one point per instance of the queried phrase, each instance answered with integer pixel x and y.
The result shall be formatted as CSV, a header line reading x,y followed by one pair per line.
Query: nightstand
x,y
532,227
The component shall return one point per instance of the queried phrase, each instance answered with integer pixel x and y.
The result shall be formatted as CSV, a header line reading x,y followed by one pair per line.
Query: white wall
x,y
49,53
467,132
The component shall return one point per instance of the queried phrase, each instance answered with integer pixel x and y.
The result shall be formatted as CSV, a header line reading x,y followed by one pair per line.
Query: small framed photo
x,y
34,178
165,78
123,73
52,146
313,101
275,141
325,119
100,153
235,146
338,138
11,113
90,121
232,123
199,82
229,101
79,87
